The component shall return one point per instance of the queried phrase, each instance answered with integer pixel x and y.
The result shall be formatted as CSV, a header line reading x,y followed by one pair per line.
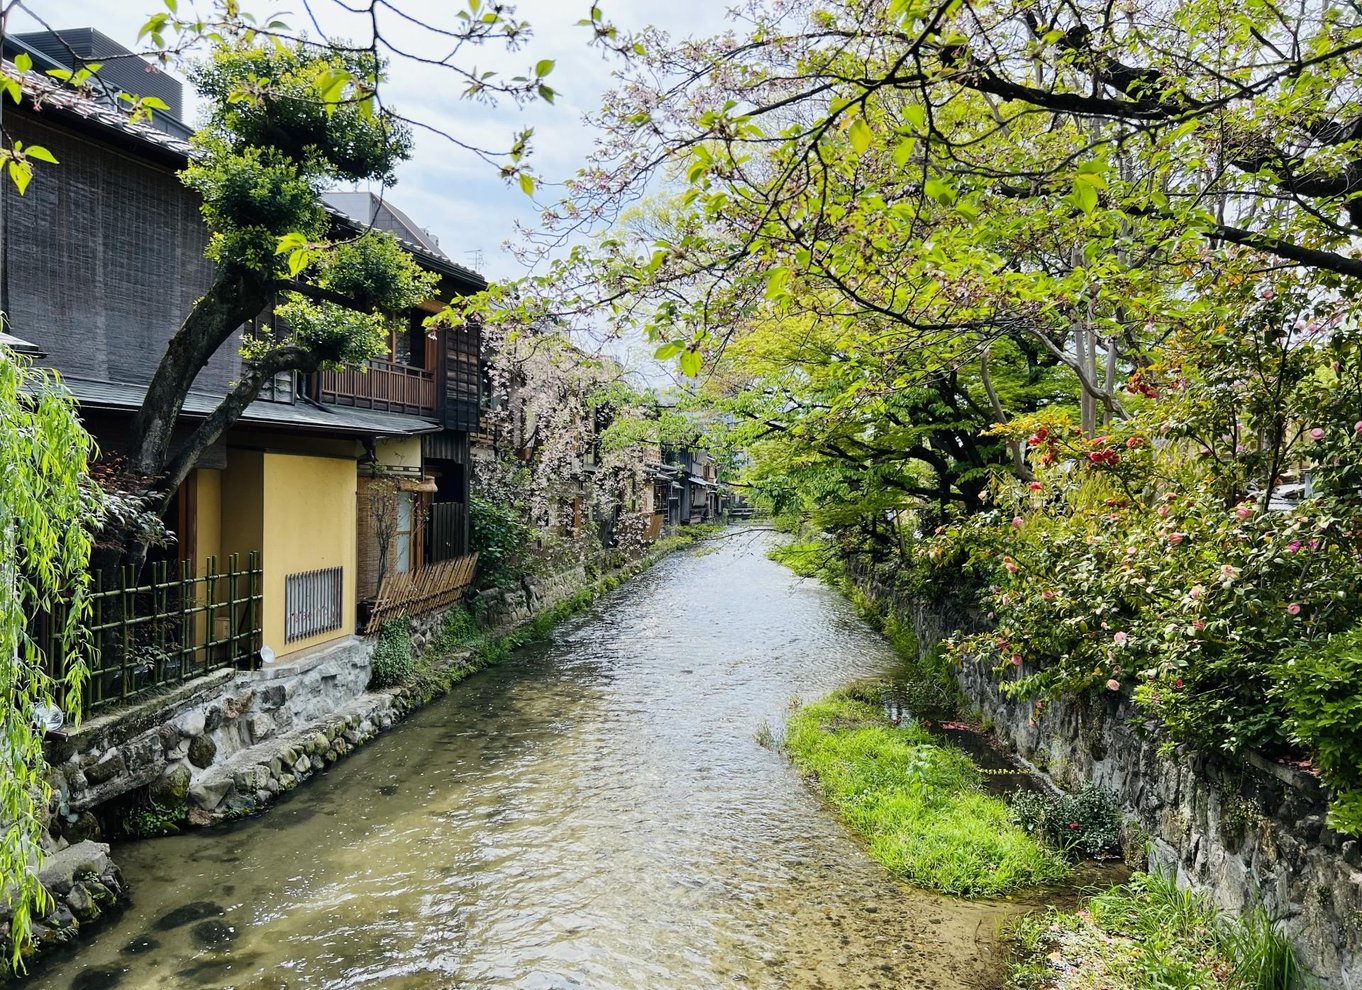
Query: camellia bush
x,y
1180,556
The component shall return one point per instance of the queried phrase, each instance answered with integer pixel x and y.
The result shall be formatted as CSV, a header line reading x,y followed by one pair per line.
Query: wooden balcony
x,y
384,385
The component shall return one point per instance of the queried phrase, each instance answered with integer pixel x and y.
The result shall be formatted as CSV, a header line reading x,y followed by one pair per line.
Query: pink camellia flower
x,y
1196,591
1317,434
1175,538
1357,427
1017,522
1244,511
1169,496
1177,682
1293,609
1293,547
1163,512
1268,293
1047,594
1016,660
1010,565
1229,572
1113,685
1120,639
1313,544
1006,600
1198,625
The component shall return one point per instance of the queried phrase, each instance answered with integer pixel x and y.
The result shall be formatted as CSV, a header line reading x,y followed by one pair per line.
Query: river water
x,y
595,813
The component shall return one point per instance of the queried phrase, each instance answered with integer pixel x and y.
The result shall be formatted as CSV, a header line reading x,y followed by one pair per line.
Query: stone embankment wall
x,y
1245,832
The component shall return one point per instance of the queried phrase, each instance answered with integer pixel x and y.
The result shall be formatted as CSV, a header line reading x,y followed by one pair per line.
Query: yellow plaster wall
x,y
308,524
208,507
242,500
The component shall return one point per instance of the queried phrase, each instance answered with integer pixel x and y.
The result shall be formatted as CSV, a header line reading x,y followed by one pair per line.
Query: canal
x,y
595,813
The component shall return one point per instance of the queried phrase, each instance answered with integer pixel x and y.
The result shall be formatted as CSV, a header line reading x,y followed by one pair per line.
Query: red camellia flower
x,y
1035,486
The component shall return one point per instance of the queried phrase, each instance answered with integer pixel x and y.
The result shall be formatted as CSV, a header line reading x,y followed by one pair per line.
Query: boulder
x,y
209,792
106,768
191,724
64,867
202,751
171,789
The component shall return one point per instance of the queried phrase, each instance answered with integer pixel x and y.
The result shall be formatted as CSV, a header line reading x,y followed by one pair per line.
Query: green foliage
x,y
915,801
503,541
1320,686
1151,935
1087,823
1144,562
47,513
392,662
807,558
151,820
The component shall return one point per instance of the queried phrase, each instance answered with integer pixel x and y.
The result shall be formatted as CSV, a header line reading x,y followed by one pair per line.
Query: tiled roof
x,y
302,415
48,94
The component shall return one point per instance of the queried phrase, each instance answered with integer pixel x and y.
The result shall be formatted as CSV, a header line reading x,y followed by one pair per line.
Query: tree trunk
x,y
228,303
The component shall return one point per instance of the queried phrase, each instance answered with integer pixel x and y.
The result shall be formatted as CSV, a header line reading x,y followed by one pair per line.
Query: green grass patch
x,y
1149,935
916,802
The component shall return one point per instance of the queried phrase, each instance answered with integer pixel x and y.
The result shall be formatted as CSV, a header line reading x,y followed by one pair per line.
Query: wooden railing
x,y
422,591
161,629
383,385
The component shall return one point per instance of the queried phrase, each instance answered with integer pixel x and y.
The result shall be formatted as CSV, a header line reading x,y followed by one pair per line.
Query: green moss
x,y
916,803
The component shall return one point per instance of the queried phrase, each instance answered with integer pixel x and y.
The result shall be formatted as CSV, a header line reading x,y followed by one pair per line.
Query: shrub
x,y
1321,688
1151,935
1087,823
503,541
917,803
392,662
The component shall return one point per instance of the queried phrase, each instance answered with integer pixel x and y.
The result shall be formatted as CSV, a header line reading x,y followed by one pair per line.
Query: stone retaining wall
x,y
1245,833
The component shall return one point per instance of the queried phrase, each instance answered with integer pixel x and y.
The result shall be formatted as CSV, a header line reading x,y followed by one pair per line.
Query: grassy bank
x,y
1149,935
916,802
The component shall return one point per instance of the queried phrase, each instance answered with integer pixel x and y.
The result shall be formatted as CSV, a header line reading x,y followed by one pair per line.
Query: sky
x,y
456,196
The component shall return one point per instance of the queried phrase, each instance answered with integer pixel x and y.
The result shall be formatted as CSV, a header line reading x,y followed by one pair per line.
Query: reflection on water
x,y
595,813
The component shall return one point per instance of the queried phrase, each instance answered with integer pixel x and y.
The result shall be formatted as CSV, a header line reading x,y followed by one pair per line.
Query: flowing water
x,y
595,813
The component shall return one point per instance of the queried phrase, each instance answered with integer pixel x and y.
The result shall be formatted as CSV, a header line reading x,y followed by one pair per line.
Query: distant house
x,y
103,259
696,487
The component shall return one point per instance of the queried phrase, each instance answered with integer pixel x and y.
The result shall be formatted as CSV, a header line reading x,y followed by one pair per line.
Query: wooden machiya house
x,y
328,484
